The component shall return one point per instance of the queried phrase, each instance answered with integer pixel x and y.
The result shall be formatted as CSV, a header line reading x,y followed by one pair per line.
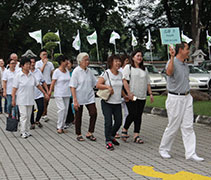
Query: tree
x,y
51,41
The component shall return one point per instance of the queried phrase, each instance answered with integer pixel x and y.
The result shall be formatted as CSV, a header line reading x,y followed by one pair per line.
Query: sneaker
x,y
66,126
115,142
110,146
45,118
24,136
195,158
28,134
165,154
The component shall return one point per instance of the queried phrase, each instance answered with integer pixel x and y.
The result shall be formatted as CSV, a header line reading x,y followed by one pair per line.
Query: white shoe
x,y
195,158
165,154
28,134
24,135
45,118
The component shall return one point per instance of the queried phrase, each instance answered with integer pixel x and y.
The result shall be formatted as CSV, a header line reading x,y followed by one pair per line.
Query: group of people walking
x,y
126,79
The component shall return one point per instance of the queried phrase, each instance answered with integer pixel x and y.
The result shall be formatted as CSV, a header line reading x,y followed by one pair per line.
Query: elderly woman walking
x,y
82,83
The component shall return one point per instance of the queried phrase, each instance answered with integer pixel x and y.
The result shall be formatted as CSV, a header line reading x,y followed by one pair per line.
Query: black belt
x,y
179,94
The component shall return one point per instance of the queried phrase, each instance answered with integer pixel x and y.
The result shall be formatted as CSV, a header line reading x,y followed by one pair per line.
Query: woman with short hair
x,y
111,79
82,83
60,83
23,95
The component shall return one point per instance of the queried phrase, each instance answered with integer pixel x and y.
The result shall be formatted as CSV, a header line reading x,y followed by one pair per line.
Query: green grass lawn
x,y
199,107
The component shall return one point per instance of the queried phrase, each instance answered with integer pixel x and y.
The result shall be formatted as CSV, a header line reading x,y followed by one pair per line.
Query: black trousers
x,y
70,115
135,110
111,111
40,107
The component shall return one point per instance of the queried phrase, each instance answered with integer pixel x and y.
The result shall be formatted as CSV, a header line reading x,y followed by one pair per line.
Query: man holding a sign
x,y
179,104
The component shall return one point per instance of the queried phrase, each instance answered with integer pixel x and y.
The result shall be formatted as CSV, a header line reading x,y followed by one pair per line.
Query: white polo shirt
x,y
62,85
47,70
25,88
40,79
84,81
9,76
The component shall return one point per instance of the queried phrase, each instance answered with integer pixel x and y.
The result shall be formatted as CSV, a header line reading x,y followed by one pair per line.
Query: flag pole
x,y
60,47
115,47
208,46
168,51
41,40
98,58
80,41
151,53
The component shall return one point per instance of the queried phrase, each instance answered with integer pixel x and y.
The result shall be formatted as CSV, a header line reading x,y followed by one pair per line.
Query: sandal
x,y
124,135
39,124
80,138
91,137
138,140
117,136
59,131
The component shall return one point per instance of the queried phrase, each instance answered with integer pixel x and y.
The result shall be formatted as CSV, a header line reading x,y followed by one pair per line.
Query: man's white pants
x,y
180,115
25,116
125,114
62,104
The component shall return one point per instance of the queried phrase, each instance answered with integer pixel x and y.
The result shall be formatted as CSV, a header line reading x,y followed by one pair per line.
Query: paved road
x,y
48,155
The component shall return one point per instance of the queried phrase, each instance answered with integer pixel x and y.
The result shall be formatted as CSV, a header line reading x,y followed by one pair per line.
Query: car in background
x,y
157,81
97,70
206,65
199,79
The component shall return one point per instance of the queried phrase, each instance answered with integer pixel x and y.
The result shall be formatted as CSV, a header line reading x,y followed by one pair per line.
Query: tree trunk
x,y
196,29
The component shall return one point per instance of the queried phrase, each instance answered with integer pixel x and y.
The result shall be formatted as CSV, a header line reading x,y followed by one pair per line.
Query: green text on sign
x,y
170,35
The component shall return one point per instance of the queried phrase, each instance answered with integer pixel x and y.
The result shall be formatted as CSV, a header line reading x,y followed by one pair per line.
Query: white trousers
x,y
180,115
25,116
125,114
62,104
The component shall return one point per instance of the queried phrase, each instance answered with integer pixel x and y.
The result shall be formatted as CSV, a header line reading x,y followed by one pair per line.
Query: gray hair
x,y
81,56
13,54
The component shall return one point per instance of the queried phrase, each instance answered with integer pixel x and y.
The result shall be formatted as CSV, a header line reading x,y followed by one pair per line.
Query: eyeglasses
x,y
13,63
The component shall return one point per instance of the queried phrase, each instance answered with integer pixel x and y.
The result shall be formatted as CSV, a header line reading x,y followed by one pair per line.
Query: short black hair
x,y
124,57
180,46
61,59
10,60
111,59
43,50
24,60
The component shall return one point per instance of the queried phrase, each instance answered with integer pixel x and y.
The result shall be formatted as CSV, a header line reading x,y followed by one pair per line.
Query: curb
x,y
162,112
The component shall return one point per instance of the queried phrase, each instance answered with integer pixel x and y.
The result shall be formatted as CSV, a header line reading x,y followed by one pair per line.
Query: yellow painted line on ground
x,y
182,175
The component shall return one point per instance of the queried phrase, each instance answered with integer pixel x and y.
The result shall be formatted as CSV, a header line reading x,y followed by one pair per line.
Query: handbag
x,y
12,123
105,93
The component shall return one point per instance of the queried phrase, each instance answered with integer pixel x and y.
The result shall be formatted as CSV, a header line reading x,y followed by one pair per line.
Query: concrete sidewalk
x,y
48,155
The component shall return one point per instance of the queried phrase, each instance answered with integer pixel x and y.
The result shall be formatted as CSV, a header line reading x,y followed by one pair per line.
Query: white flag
x,y
148,44
186,38
57,33
114,36
134,40
77,42
92,38
37,35
208,39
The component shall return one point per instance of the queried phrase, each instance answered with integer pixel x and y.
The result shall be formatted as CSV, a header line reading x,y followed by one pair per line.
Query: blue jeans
x,y
110,110
5,105
14,113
